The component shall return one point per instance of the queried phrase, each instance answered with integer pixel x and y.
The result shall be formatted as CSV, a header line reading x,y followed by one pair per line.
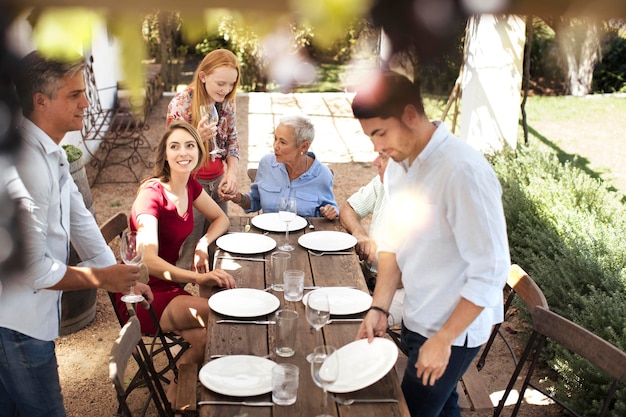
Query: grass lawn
x,y
587,130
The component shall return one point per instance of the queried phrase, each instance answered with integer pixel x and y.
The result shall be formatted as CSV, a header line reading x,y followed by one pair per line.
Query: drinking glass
x,y
325,369
317,313
213,118
287,212
131,252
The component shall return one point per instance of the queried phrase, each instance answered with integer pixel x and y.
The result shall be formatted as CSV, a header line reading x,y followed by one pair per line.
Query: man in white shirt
x,y
444,238
370,199
52,96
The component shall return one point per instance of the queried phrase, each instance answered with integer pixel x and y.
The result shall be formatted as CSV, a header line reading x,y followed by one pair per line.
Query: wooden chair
x,y
160,342
519,284
129,342
548,325
251,174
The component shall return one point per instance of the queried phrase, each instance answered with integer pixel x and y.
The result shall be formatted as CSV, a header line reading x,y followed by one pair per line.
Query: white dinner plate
x,y
247,243
238,375
244,302
327,240
344,300
361,364
272,223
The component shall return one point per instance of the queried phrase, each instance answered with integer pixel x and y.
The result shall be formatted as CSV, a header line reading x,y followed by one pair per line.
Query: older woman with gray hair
x,y
291,171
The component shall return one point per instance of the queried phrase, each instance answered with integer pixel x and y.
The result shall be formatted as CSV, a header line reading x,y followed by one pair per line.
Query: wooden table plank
x,y
335,270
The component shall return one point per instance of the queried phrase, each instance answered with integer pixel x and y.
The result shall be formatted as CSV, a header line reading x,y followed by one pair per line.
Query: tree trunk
x,y
579,43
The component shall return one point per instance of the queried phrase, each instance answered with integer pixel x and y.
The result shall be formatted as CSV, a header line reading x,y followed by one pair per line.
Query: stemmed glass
x,y
325,369
213,118
317,313
131,252
287,212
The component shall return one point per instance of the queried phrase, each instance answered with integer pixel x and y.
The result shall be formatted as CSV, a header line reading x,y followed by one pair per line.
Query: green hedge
x,y
569,233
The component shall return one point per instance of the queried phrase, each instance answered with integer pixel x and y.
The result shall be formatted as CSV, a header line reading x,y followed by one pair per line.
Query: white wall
x,y
106,64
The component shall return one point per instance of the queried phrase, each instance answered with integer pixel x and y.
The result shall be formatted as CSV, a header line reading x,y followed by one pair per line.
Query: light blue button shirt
x,y
445,223
53,207
312,190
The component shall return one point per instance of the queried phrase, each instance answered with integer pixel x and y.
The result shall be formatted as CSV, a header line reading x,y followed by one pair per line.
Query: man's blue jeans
x,y
441,399
29,378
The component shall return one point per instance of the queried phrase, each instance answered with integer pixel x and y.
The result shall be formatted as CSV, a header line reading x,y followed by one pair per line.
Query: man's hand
x,y
117,278
433,359
366,249
374,325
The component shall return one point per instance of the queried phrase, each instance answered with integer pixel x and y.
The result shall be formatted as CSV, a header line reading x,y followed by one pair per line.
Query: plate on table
x,y
245,243
238,375
244,302
272,223
344,300
379,357
327,240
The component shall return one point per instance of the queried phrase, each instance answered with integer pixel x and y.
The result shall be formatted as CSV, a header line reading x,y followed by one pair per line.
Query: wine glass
x,y
325,369
287,212
317,313
213,118
131,252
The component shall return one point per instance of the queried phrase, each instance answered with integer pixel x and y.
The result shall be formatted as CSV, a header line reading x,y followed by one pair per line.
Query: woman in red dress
x,y
163,216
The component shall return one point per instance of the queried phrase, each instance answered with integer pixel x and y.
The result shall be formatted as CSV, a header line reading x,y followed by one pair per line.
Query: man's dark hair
x,y
387,97
39,74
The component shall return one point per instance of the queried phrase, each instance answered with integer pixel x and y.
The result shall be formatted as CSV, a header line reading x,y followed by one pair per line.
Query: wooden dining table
x,y
259,340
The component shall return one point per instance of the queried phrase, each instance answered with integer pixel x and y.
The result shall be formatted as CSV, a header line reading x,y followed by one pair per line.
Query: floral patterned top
x,y
180,109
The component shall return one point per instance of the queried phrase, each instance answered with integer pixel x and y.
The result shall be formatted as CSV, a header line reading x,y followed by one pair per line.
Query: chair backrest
x,y
581,341
123,347
526,288
93,122
252,174
114,226
129,343
519,284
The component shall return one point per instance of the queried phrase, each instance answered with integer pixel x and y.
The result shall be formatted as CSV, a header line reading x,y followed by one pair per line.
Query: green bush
x,y
568,231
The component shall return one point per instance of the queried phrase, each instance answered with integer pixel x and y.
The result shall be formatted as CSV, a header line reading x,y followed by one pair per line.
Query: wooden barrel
x,y
78,307
79,174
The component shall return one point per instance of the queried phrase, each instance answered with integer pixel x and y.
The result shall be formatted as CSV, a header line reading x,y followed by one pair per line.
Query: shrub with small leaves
x,y
568,231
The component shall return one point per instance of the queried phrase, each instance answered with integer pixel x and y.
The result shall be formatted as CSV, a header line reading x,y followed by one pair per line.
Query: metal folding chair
x,y
129,343
548,325
160,342
519,284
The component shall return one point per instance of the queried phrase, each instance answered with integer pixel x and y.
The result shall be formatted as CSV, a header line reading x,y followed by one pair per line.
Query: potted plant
x,y
73,153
